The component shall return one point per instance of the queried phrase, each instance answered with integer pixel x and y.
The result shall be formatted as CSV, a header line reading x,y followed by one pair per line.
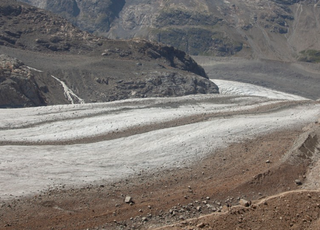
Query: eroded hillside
x,y
93,68
273,29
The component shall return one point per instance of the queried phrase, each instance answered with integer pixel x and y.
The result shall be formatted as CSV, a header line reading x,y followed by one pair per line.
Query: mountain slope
x,y
95,68
273,29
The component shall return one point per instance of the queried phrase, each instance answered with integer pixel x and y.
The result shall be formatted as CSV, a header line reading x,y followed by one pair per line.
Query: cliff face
x,y
92,68
274,29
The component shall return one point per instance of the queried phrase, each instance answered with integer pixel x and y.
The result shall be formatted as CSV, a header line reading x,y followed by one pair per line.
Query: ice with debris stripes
x,y
34,167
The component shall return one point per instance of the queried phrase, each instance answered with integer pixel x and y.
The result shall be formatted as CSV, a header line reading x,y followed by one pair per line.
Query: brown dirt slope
x,y
203,195
296,209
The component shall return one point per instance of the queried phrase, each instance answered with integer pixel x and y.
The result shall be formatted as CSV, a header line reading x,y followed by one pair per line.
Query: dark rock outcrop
x,y
163,84
18,87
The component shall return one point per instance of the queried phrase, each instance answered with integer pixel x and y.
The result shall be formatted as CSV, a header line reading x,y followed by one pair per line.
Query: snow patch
x,y
69,94
34,69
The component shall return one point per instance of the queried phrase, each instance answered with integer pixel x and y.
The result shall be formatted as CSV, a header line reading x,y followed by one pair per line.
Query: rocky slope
x,y
273,29
94,68
297,209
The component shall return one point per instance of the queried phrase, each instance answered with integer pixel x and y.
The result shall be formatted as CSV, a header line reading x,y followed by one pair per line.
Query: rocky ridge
x,y
96,68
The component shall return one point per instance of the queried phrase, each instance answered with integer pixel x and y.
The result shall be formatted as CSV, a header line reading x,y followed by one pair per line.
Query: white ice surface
x,y
26,169
76,124
237,88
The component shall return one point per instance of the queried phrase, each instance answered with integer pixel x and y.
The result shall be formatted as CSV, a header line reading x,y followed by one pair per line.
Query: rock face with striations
x,y
95,69
274,29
